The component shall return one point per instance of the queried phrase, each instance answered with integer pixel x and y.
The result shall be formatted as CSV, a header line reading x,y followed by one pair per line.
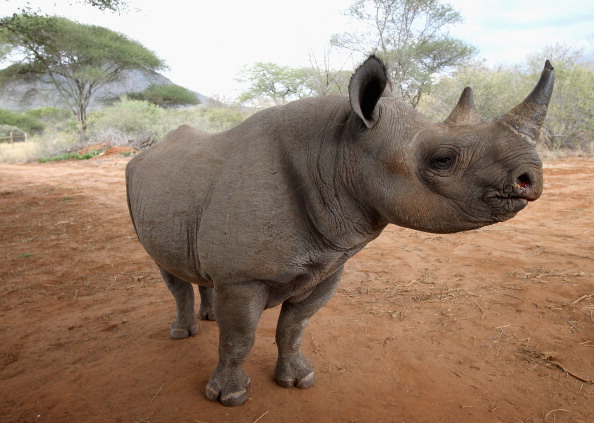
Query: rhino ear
x,y
464,113
366,87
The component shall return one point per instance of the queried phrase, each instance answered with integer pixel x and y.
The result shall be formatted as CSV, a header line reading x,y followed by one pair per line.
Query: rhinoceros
x,y
268,212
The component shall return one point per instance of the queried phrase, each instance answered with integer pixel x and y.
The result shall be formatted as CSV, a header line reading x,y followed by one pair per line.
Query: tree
x,y
24,122
496,90
272,83
167,95
112,5
411,37
570,117
324,80
74,58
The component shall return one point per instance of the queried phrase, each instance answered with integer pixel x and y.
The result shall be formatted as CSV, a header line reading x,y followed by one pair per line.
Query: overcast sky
x,y
206,43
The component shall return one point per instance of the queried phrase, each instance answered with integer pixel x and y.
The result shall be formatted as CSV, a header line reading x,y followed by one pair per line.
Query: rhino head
x,y
461,174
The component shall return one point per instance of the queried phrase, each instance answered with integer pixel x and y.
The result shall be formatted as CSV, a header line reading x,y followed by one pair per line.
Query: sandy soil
x,y
494,325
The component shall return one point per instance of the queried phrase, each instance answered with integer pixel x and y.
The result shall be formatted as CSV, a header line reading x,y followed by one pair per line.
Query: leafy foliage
x,y
70,156
167,96
51,115
570,118
274,84
221,118
77,59
112,5
139,123
411,37
127,121
24,122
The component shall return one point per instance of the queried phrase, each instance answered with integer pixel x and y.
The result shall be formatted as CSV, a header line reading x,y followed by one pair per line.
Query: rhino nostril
x,y
523,181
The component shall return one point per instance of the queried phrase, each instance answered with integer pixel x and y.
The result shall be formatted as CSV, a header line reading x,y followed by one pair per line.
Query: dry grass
x,y
37,147
18,152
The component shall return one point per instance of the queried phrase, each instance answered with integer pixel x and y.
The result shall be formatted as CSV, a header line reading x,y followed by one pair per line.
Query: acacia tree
x,y
167,95
113,5
272,83
411,37
74,58
325,80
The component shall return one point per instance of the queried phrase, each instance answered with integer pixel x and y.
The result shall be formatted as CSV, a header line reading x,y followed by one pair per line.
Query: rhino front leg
x,y
206,303
239,307
293,369
185,323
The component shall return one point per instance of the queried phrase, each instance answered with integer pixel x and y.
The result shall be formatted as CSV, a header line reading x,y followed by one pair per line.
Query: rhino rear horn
x,y
528,116
366,87
464,113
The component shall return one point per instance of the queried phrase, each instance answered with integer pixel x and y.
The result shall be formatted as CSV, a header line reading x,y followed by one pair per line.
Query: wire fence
x,y
12,138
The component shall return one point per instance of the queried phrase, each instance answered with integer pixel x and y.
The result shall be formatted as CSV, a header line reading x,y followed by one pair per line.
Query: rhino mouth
x,y
504,206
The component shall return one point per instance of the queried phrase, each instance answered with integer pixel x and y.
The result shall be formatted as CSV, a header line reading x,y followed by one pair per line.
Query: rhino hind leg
x,y
185,323
293,369
239,307
206,311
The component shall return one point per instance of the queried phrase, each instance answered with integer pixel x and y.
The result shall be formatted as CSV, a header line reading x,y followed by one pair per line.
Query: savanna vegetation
x,y
428,68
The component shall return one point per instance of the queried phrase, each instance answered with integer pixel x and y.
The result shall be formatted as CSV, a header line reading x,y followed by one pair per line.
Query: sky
x,y
207,43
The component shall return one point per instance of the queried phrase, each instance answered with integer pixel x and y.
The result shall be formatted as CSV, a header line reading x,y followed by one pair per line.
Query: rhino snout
x,y
528,184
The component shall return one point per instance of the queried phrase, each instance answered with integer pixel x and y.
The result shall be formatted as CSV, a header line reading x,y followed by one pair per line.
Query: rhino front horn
x,y
528,116
464,113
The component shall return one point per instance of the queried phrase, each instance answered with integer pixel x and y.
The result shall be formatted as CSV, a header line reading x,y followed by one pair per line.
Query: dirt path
x,y
494,325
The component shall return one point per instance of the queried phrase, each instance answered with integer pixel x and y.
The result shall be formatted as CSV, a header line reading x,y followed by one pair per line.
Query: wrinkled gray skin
x,y
268,212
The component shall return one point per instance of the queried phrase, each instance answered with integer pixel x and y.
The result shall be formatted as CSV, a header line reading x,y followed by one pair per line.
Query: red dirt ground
x,y
493,325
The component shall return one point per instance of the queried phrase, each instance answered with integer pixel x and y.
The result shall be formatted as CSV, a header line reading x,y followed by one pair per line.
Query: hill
x,y
27,95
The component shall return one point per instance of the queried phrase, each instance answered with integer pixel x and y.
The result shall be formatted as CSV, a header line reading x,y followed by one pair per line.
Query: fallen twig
x,y
583,297
157,394
560,366
266,412
549,359
482,311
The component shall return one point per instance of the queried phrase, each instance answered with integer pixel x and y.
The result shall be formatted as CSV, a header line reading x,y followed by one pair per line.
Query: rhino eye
x,y
442,162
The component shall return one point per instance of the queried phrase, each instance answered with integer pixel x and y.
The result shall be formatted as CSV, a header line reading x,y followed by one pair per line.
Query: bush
x,y
127,121
26,123
50,115
221,118
139,123
70,156
167,96
55,119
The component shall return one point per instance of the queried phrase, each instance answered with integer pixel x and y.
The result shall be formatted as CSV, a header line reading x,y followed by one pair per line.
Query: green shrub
x,y
221,118
50,114
167,95
67,156
127,121
22,121
139,123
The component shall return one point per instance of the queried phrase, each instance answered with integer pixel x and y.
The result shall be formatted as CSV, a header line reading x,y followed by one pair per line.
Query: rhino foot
x,y
206,303
206,313
231,391
297,372
183,330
